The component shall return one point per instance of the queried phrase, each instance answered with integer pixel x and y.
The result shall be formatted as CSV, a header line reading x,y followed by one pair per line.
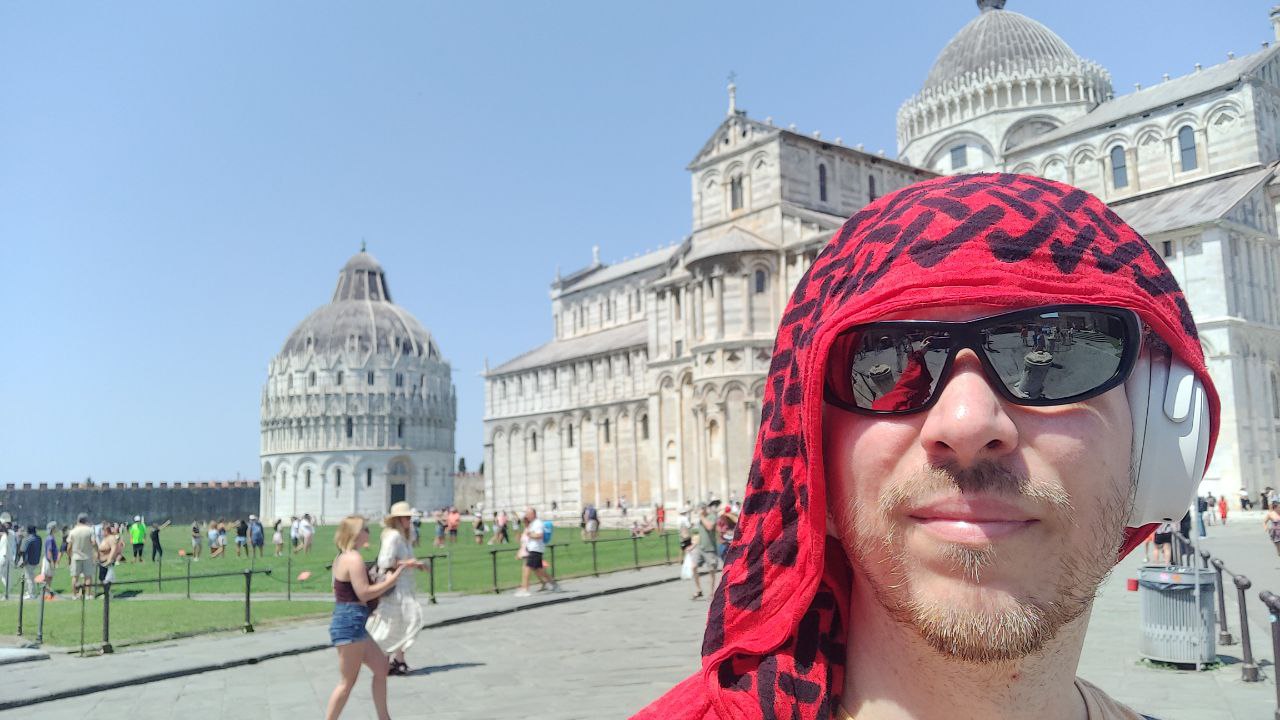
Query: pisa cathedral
x,y
650,388
359,409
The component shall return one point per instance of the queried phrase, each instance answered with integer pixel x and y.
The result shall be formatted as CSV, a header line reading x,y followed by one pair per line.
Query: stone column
x,y
724,450
700,456
635,458
699,312
719,286
748,303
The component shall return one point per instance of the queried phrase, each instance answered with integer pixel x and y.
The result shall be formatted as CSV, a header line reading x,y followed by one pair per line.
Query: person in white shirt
x,y
7,548
306,531
532,547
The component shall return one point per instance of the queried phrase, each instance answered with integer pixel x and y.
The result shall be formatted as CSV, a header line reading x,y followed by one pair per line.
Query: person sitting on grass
x,y
355,598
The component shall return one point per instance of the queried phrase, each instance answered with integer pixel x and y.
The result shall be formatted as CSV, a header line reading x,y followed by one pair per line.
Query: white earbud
x,y
1171,427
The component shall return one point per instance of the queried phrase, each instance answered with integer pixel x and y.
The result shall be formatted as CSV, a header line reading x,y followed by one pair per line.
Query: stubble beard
x,y
1016,627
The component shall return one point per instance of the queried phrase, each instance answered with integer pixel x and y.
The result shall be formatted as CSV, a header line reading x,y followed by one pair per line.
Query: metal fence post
x,y
493,557
40,626
22,594
188,578
8,569
106,619
431,575
1273,606
1204,559
666,546
160,574
553,562
1224,635
248,622
288,579
1248,669
83,596
448,560
594,569
635,551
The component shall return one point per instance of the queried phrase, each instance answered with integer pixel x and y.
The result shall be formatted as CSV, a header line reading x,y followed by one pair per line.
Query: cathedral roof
x,y
600,273
1165,93
361,318
1190,205
634,334
736,240
996,40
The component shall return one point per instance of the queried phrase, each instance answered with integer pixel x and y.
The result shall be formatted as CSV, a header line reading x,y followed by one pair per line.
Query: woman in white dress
x,y
399,616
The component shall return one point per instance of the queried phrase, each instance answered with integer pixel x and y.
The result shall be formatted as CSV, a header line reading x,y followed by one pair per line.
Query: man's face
x,y
982,525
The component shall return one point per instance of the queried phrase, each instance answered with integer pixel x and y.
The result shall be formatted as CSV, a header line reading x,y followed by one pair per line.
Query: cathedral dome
x,y
1000,39
361,318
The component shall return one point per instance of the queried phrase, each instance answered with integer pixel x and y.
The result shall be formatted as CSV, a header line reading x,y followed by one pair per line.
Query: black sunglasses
x,y
1052,355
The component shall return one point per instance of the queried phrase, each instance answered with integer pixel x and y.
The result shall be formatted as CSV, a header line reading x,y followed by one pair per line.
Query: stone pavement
x,y
607,656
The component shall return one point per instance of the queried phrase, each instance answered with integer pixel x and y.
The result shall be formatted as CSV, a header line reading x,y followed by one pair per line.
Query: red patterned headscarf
x,y
775,639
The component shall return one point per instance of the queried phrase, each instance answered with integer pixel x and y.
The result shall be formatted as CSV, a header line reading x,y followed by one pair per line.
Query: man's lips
x,y
971,520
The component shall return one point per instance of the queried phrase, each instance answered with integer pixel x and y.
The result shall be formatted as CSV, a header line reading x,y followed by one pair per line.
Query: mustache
x,y
986,477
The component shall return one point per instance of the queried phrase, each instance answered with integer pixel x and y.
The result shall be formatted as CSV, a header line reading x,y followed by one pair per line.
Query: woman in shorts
x,y
355,597
110,550
1164,542
197,539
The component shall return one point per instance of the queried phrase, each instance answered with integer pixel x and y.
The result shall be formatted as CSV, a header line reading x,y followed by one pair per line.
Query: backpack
x,y
547,527
591,513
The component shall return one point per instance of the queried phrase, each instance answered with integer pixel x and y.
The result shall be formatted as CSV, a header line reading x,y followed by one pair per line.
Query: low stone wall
x,y
38,504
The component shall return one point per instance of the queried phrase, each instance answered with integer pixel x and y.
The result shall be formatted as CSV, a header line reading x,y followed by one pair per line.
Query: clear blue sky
x,y
181,181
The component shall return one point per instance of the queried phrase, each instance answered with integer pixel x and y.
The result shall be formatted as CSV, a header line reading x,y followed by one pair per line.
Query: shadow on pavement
x,y
433,669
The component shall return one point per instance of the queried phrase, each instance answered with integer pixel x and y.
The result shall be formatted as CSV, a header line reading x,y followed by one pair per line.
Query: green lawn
x,y
469,565
138,620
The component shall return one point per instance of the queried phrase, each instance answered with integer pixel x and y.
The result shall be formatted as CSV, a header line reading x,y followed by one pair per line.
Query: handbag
x,y
687,567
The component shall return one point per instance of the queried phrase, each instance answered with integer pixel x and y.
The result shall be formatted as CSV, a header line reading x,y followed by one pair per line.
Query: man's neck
x,y
891,673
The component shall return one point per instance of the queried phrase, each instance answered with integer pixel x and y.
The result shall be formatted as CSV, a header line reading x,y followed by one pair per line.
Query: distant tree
x,y
481,467
462,466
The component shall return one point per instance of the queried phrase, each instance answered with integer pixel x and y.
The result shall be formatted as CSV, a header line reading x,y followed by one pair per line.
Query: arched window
x,y
644,427
370,377
284,475
368,477
959,156
311,379
533,441
350,427
606,432
762,281
1119,170
822,182
337,477
1275,395
713,438
399,379
871,187
425,477
735,193
339,377
1187,147
400,428
570,437
308,478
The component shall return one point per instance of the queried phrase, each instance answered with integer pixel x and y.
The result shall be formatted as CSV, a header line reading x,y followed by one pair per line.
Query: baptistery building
x,y
650,386
359,408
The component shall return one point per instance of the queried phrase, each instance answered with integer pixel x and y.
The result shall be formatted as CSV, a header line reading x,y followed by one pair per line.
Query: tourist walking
x,y
242,537
257,536
222,538
7,551
197,540
29,557
277,539
398,618
138,537
660,517
1272,525
109,552
157,551
306,532
82,550
213,539
532,545
354,598
705,549
49,562
478,527
1222,509
439,518
455,518
294,535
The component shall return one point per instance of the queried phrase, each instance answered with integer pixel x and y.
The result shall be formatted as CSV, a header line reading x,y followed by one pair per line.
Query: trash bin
x,y
1173,629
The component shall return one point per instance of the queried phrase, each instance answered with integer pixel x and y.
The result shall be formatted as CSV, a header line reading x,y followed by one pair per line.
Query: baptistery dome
x,y
359,408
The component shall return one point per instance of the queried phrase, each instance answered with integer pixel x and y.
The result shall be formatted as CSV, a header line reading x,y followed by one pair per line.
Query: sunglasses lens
x,y
1042,357
891,369
1058,355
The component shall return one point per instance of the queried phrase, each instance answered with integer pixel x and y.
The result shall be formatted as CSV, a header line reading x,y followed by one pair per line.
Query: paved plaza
x,y
595,655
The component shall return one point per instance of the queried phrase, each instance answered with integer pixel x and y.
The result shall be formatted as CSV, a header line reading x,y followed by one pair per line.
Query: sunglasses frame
x,y
968,334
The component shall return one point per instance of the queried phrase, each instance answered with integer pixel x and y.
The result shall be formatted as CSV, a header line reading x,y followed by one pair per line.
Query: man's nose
x,y
968,424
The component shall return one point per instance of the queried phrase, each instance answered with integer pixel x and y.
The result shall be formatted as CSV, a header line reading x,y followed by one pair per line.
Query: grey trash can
x,y
1173,629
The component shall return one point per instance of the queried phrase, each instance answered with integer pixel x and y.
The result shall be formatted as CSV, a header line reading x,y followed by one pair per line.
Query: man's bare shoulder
x,y
1102,706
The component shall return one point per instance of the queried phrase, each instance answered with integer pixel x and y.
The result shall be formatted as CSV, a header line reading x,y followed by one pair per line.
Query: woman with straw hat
x,y
399,616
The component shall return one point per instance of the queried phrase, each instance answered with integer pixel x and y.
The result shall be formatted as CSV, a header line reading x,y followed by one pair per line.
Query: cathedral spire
x,y
733,93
